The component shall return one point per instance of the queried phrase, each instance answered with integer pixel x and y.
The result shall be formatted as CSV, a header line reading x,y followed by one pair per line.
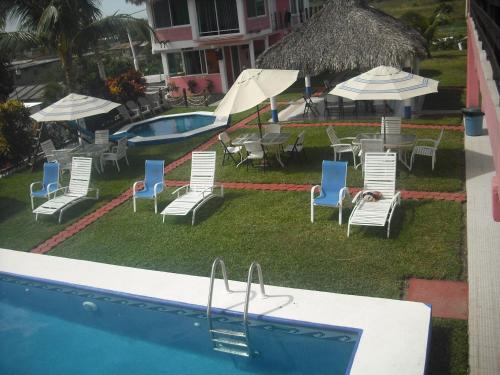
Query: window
x,y
216,17
168,13
175,64
192,62
256,8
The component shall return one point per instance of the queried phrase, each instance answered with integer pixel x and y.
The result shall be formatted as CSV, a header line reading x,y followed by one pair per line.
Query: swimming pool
x,y
169,128
54,328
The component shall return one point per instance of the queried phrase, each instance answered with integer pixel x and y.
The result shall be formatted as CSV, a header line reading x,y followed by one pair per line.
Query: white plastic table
x,y
269,139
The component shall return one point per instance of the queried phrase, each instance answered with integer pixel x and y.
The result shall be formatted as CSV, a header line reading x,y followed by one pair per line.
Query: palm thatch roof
x,y
345,35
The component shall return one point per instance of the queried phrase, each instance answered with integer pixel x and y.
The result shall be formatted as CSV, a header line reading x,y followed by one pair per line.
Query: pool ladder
x,y
232,341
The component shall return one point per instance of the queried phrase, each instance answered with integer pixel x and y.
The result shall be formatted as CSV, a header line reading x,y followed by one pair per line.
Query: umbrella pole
x,y
258,121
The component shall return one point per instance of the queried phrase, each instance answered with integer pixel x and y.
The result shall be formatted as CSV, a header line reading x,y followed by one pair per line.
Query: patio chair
x,y
154,103
48,150
63,157
309,106
392,125
49,183
153,183
340,146
229,149
125,114
200,189
101,137
332,108
144,105
426,147
255,151
117,152
134,108
272,129
298,146
333,189
369,145
379,177
76,192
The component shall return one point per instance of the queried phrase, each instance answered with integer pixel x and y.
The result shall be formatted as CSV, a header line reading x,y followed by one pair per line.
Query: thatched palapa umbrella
x,y
344,35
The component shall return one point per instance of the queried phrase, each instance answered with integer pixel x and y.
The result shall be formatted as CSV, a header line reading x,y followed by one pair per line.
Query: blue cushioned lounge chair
x,y
153,183
49,185
333,188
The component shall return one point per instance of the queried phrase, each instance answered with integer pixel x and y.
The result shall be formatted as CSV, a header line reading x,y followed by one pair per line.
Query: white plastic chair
x,y
144,105
200,189
229,150
154,103
272,129
379,176
255,151
75,192
126,116
63,157
117,152
298,146
426,147
392,125
101,137
340,146
135,109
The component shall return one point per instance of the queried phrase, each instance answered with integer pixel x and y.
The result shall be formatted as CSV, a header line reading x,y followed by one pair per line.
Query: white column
x,y
193,19
251,49
136,62
240,5
274,109
164,62
223,73
307,80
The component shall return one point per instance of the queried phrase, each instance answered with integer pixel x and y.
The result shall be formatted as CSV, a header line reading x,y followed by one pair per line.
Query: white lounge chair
x,y
154,103
77,190
392,125
426,147
369,145
200,189
379,176
125,114
134,109
144,105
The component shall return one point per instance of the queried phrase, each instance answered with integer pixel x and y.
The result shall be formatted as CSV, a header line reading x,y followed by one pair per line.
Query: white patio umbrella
x,y
385,83
252,87
74,107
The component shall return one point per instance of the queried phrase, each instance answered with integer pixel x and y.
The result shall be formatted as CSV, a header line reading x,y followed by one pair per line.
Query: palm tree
x,y
68,27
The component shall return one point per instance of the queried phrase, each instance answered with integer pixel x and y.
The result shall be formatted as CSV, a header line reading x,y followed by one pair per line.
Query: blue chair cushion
x,y
40,193
331,200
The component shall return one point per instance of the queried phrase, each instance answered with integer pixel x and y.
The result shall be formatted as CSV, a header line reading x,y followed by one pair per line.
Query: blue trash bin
x,y
473,118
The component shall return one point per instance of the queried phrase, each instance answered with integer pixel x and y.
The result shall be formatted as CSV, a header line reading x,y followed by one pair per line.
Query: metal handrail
x,y
249,287
212,278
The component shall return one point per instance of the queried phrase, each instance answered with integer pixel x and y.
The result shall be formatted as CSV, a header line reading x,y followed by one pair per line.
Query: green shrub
x,y
16,131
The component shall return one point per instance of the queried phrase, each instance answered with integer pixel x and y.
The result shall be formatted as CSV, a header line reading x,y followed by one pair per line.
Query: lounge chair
x,y
144,105
369,145
153,183
118,152
77,190
380,177
134,109
154,103
49,184
126,116
200,189
340,146
333,189
229,149
298,146
392,125
426,147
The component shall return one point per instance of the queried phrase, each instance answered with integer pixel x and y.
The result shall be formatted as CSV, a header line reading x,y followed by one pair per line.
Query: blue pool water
x,y
44,329
171,125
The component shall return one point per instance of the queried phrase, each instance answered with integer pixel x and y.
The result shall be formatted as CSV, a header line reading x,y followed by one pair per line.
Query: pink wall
x,y
477,83
282,5
258,23
173,34
182,81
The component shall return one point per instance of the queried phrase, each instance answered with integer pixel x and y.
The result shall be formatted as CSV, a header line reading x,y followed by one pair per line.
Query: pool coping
x,y
219,122
395,338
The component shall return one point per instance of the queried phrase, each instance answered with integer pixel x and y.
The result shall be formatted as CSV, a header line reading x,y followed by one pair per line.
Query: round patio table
x,y
399,142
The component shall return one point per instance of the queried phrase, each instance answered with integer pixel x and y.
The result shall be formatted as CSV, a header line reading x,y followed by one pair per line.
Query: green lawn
x,y
447,176
15,209
448,67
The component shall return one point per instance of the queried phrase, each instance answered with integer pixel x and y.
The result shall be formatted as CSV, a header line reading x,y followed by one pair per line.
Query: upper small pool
x,y
170,128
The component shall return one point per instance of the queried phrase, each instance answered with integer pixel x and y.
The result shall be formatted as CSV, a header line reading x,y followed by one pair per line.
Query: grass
x,y
15,209
274,228
450,349
447,176
448,67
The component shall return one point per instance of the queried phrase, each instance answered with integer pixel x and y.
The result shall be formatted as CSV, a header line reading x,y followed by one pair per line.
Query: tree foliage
x,y
127,86
16,131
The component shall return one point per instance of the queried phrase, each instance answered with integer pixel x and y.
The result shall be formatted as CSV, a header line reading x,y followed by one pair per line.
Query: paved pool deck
x,y
395,333
483,247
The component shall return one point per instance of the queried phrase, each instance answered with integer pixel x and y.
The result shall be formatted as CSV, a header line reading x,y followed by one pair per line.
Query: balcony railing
x,y
486,14
283,20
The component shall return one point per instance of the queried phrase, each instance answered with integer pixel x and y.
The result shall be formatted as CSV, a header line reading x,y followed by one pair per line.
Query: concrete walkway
x,y
483,246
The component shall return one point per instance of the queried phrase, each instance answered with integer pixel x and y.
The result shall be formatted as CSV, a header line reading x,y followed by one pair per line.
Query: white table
x,y
268,140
